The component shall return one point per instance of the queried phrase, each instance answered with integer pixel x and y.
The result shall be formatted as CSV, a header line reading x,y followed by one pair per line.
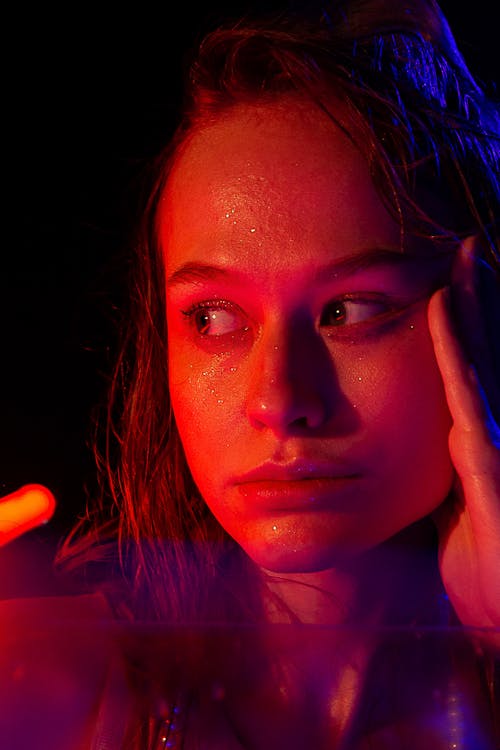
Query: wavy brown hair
x,y
431,138
425,127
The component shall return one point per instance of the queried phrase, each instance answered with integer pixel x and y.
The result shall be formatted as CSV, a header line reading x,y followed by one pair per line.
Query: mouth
x,y
294,495
297,486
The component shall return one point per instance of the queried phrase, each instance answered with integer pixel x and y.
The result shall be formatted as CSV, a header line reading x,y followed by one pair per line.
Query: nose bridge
x,y
289,369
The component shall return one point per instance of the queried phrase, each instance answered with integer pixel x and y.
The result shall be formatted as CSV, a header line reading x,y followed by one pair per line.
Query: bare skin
x,y
245,375
366,405
242,325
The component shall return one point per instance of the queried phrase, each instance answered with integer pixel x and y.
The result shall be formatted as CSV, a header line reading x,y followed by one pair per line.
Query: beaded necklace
x,y
171,729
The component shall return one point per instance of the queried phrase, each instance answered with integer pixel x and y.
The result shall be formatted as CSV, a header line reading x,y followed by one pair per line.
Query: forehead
x,y
280,177
288,135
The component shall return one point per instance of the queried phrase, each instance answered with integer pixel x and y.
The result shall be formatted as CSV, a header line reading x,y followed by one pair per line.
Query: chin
x,y
284,559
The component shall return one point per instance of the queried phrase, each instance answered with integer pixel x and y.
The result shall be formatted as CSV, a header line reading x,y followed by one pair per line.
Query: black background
x,y
89,95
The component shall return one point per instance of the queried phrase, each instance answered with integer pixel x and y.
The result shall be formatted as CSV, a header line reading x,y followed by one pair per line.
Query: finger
x,y
460,381
475,308
28,507
464,303
475,437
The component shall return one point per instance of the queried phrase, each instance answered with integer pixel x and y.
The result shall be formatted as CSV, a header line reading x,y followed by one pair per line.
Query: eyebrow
x,y
195,272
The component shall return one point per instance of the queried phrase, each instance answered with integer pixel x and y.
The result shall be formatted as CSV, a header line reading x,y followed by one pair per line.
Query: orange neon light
x,y
24,509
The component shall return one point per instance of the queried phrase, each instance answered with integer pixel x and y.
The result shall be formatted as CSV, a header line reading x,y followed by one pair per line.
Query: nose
x,y
291,381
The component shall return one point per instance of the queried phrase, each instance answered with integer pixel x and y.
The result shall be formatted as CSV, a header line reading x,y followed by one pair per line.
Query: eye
x,y
346,312
216,318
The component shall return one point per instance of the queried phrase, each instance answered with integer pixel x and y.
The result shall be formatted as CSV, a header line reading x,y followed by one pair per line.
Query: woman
x,y
314,454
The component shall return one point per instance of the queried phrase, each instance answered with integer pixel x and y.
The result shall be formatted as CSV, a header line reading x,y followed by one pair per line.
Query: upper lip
x,y
296,470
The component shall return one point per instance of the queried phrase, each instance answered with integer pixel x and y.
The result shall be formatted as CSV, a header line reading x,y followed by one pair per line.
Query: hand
x,y
28,507
469,521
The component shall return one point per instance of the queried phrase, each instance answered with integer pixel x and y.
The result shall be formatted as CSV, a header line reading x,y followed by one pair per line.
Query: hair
x,y
422,122
425,127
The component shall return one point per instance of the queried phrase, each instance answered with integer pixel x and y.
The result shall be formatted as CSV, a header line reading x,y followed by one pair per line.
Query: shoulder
x,y
54,663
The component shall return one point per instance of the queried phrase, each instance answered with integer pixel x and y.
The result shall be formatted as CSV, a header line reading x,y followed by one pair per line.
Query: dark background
x,y
88,97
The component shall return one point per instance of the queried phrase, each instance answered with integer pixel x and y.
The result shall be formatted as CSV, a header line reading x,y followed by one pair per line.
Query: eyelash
x,y
218,304
379,300
391,307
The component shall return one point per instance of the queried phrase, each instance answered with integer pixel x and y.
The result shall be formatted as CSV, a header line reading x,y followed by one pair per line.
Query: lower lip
x,y
293,495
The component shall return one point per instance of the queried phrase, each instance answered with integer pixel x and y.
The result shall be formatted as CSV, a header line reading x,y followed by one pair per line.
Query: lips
x,y
301,485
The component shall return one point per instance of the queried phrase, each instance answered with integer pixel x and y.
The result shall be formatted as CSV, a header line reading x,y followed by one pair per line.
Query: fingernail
x,y
446,293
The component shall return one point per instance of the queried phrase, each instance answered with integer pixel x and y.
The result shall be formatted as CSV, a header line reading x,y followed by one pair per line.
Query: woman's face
x,y
302,373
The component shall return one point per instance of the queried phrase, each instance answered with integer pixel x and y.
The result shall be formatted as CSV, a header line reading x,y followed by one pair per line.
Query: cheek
x,y
415,386
393,375
398,392
203,399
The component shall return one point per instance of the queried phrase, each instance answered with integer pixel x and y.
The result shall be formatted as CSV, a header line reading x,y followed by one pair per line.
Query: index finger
x,y
475,305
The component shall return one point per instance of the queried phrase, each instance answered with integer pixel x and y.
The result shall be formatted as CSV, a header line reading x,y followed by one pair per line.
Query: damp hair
x,y
427,130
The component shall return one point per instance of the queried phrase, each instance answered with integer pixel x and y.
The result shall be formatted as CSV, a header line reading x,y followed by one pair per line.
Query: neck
x,y
322,672
392,584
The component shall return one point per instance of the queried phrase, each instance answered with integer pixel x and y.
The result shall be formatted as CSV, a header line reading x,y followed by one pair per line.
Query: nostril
x,y
284,408
284,393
